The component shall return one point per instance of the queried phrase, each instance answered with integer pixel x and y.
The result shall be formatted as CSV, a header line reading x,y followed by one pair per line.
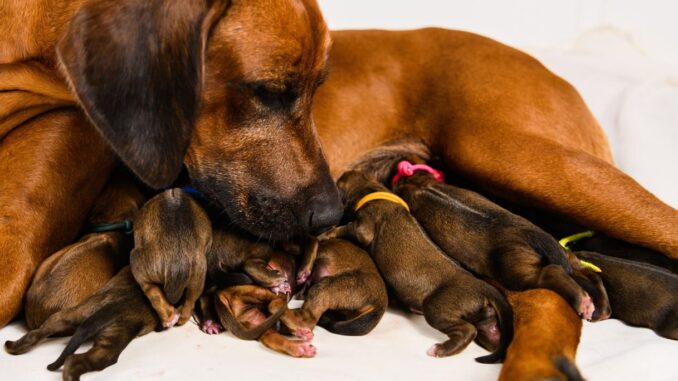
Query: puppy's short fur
x,y
112,317
171,237
75,272
640,294
542,351
346,295
423,277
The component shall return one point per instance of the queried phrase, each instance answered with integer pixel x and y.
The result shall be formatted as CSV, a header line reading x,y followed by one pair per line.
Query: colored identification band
x,y
565,242
124,226
407,169
387,196
590,266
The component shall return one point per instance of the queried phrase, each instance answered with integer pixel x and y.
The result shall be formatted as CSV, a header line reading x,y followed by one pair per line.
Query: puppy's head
x,y
224,87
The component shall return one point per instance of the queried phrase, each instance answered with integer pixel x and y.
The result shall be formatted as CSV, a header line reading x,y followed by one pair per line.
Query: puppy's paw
x,y
586,307
305,334
303,276
303,349
211,327
172,320
434,351
281,286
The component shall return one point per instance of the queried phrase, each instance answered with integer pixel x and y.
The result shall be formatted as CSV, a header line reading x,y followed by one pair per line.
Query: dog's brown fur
x,y
641,294
112,317
346,293
496,117
172,235
72,274
422,276
545,341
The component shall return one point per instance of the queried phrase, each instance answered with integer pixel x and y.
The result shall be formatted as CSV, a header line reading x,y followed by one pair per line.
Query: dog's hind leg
x,y
166,312
279,343
46,164
442,313
193,292
520,268
106,349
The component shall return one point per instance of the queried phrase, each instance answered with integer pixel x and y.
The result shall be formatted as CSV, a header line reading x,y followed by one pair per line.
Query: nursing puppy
x,y
542,351
640,294
346,294
422,276
486,239
75,272
112,317
171,237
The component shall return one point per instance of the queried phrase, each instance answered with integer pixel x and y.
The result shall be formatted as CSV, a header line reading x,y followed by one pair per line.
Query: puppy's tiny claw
x,y
433,351
172,321
305,349
211,327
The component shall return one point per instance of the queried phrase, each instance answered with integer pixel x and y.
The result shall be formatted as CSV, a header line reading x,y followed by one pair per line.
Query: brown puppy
x,y
494,243
112,317
72,274
346,294
640,294
422,276
172,235
542,351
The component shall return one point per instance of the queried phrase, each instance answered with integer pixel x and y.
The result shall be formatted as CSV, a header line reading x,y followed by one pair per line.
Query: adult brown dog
x,y
495,115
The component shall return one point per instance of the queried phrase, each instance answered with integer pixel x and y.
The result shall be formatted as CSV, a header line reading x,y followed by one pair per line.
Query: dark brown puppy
x,y
75,272
112,317
172,235
542,351
346,294
422,276
640,294
494,243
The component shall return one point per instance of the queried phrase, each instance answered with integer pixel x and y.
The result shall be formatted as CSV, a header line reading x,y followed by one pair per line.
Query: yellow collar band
x,y
381,196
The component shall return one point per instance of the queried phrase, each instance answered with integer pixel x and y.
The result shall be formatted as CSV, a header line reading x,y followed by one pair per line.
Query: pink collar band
x,y
407,169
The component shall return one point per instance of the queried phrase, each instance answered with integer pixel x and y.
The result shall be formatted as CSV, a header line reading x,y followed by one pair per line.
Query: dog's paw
x,y
282,287
434,351
171,321
303,349
586,307
303,276
211,327
305,334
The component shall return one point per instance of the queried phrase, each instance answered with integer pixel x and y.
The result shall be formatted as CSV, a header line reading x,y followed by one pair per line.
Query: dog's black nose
x,y
325,211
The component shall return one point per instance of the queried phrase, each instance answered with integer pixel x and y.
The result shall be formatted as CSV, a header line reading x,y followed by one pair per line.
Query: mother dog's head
x,y
224,87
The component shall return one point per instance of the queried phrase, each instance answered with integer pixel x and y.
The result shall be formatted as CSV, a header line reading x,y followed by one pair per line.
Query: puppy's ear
x,y
136,67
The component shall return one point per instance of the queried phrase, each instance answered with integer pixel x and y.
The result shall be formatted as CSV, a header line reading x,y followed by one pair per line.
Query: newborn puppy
x,y
111,317
234,250
421,275
346,294
542,351
75,272
494,243
171,237
640,294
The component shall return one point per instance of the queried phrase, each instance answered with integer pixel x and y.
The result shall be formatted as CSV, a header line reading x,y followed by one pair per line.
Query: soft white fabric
x,y
635,100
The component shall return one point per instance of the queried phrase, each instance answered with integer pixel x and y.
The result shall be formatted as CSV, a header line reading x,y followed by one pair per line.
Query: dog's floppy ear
x,y
136,67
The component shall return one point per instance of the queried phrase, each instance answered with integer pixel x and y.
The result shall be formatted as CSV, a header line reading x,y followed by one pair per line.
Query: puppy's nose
x,y
325,211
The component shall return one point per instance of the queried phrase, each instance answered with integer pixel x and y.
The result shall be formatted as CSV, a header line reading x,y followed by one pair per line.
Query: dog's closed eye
x,y
274,96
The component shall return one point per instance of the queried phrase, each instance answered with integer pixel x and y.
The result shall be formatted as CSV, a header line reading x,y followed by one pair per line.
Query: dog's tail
x,y
504,315
232,324
568,369
358,325
175,283
88,329
381,162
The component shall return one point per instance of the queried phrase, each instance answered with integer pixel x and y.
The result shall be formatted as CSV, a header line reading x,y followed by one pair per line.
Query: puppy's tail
x,y
359,325
232,324
568,368
88,329
505,322
175,284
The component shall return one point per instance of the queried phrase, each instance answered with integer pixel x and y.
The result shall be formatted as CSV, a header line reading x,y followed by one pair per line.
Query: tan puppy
x,y
111,317
346,294
541,351
75,272
172,235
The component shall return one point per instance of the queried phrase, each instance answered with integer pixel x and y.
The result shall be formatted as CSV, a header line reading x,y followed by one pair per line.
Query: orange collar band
x,y
381,196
